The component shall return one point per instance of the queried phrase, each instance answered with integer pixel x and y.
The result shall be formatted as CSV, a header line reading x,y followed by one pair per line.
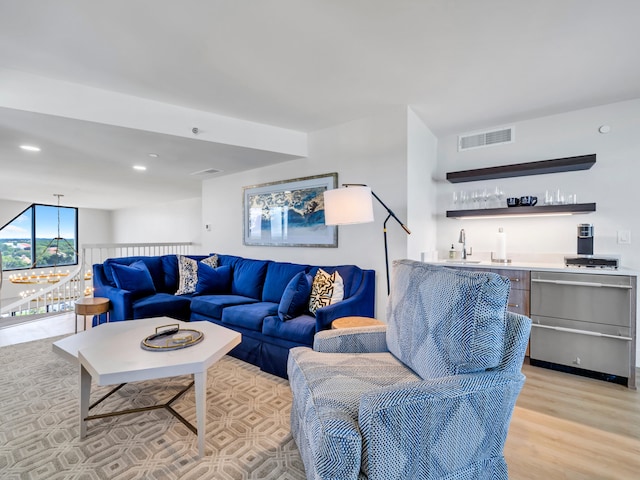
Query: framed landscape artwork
x,y
289,213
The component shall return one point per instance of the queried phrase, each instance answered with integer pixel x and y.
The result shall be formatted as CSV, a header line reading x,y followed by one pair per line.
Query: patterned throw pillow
x,y
188,275
326,290
212,261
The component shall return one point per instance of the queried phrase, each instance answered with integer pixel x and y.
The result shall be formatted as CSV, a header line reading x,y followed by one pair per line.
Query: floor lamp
x,y
353,204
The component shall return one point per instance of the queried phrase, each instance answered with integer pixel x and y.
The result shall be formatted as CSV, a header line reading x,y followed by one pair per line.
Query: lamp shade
x,y
343,206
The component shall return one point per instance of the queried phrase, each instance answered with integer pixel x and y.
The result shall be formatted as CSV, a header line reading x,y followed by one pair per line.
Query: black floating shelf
x,y
569,164
571,209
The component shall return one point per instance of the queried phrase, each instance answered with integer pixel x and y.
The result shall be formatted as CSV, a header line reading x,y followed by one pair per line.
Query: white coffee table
x,y
111,354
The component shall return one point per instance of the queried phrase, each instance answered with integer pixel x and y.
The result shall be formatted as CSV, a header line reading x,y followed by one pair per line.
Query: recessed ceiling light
x,y
30,148
154,155
139,167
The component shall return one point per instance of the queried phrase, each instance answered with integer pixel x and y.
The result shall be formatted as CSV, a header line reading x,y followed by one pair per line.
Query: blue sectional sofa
x,y
242,294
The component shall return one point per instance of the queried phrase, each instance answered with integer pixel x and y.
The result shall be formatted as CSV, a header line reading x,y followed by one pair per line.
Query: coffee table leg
x,y
85,391
200,379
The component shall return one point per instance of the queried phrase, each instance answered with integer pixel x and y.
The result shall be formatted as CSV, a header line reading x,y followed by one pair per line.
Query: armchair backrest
x,y
444,321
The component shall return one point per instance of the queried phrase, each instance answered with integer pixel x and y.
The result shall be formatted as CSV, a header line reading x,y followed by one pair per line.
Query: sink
x,y
455,260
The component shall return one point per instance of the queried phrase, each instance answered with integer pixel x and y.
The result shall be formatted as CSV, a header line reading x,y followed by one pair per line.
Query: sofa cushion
x,y
161,305
154,264
299,329
213,305
295,299
250,315
248,278
213,280
277,278
326,290
443,321
134,278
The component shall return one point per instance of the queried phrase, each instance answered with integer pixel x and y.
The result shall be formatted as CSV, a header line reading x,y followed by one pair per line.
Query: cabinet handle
x,y
517,279
581,284
582,332
513,305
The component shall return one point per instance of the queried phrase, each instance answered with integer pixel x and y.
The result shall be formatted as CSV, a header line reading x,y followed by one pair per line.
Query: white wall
x,y
95,226
372,151
9,209
611,183
170,222
422,158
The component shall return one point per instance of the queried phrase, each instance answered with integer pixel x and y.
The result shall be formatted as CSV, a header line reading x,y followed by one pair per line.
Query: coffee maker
x,y
585,256
585,239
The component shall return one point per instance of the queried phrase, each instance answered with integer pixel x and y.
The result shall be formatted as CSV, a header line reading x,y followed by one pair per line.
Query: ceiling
x,y
297,64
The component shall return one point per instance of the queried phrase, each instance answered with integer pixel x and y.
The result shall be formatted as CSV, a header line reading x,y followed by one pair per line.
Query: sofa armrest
x,y
121,307
352,340
360,304
452,424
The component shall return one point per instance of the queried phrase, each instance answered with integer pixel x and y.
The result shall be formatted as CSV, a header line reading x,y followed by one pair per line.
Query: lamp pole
x,y
384,230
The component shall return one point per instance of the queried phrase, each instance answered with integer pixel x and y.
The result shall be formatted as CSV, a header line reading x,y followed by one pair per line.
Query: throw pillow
x,y
188,275
326,290
134,278
295,297
211,261
213,280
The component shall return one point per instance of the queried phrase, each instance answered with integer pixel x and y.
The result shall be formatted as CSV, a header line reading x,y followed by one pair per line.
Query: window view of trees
x,y
41,236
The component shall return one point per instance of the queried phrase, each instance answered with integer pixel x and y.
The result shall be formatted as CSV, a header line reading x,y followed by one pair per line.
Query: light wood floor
x,y
564,426
570,427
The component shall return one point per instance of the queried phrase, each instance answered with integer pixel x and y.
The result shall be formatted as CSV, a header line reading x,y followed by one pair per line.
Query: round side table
x,y
91,306
351,322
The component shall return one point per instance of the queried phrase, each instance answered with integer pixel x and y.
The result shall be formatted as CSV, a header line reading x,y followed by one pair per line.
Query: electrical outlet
x,y
624,237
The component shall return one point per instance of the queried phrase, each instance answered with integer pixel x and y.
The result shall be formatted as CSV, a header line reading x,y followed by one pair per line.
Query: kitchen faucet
x,y
463,241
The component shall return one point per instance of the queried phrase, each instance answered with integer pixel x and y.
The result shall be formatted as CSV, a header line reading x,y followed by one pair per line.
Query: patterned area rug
x,y
248,434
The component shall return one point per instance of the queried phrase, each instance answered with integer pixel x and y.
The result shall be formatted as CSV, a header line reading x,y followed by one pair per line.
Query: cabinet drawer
x,y
518,301
519,278
598,354
600,299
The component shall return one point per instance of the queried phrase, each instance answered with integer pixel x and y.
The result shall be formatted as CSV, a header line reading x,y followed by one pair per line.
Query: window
x,y
41,236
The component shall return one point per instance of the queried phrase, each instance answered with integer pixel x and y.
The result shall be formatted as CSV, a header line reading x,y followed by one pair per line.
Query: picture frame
x,y
289,213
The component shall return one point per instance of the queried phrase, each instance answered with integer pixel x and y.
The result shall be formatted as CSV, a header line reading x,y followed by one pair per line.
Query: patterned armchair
x,y
430,395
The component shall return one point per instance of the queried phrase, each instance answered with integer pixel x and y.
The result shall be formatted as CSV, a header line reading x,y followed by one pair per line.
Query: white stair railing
x,y
61,296
48,298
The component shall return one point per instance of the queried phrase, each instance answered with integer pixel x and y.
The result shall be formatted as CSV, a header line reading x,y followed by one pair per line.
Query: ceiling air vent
x,y
485,139
206,171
